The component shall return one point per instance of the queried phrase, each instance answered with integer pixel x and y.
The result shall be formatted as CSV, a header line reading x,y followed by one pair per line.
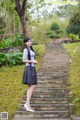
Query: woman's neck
x,y
28,47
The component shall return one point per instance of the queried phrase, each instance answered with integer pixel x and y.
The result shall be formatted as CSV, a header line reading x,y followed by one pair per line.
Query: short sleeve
x,y
25,55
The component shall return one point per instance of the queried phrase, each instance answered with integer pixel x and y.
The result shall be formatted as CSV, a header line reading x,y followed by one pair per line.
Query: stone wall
x,y
11,49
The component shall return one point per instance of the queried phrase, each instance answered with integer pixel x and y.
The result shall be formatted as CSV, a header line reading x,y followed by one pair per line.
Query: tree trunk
x,y
24,21
9,24
25,25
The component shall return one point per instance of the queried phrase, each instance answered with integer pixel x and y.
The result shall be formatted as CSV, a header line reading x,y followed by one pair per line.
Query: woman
x,y
29,76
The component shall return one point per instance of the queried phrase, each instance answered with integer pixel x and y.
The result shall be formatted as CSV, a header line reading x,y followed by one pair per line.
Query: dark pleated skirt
x,y
29,76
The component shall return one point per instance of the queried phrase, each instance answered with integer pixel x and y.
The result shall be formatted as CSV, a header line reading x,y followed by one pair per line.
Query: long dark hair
x,y
26,39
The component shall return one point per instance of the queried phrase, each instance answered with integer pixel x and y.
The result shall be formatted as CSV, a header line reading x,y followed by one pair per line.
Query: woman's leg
x,y
29,94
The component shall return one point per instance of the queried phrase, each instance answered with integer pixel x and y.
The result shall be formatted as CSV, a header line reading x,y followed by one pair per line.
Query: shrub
x,y
74,25
73,37
16,40
55,31
54,27
5,43
59,31
3,59
49,33
14,58
54,36
11,59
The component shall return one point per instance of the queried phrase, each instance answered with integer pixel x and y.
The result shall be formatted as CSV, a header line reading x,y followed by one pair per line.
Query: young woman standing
x,y
29,76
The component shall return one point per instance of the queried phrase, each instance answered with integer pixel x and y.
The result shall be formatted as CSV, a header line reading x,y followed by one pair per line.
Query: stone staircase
x,y
50,98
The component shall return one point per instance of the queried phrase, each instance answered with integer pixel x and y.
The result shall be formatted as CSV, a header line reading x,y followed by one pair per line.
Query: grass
x,y
74,77
11,87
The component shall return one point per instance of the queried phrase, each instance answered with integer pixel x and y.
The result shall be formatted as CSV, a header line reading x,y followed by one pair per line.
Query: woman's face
x,y
29,43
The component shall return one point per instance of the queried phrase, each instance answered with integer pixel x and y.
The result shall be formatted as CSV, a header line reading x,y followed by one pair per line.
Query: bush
x,y
74,25
74,37
55,31
14,58
54,27
3,59
5,43
16,40
59,31
49,33
54,36
11,59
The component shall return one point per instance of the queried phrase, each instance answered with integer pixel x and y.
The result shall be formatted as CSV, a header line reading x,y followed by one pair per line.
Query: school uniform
x,y
29,75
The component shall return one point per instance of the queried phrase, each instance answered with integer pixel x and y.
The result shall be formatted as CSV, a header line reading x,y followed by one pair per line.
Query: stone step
x,y
41,90
52,85
44,114
23,117
45,106
50,76
56,68
47,101
45,82
54,95
51,88
47,91
46,79
65,78
50,98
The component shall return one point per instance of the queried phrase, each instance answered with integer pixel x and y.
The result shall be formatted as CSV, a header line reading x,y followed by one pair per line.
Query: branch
x,y
24,5
18,6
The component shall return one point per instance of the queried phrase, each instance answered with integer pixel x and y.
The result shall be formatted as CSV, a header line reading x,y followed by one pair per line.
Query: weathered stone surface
x,y
11,49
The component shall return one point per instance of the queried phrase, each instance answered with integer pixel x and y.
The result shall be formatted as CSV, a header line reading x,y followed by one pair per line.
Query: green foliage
x,y
73,37
54,36
59,31
5,43
77,100
2,25
49,33
11,59
74,25
39,30
74,75
39,49
15,41
55,27
55,31
66,10
14,58
3,59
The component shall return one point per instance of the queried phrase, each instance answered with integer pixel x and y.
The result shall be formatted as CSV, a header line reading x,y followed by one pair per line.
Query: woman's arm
x,y
27,61
30,61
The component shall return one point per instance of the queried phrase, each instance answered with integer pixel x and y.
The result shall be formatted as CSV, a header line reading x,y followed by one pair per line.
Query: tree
x,y
54,27
74,25
55,31
21,10
2,25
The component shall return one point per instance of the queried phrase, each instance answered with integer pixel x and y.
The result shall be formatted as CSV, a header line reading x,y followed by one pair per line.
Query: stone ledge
x,y
74,117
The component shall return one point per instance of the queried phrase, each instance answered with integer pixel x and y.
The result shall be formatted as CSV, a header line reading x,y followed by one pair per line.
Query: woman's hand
x,y
35,62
